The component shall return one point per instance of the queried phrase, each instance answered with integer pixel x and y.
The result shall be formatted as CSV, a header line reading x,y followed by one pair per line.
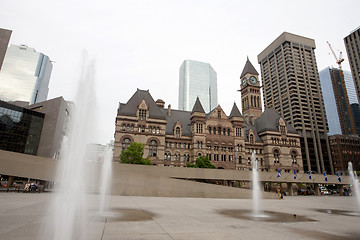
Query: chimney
x,y
169,110
160,103
251,120
246,118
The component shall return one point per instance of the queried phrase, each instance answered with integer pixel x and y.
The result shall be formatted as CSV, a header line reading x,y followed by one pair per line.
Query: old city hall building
x,y
173,137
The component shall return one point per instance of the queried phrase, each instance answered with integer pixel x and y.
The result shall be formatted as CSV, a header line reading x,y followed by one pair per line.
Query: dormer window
x,y
142,114
251,138
283,130
282,126
177,132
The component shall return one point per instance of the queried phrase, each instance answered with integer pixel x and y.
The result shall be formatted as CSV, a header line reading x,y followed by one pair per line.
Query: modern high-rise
x,y
352,44
4,41
336,100
291,86
25,75
197,79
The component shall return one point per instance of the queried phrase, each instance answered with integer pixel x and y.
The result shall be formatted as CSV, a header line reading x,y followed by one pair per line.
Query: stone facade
x,y
174,138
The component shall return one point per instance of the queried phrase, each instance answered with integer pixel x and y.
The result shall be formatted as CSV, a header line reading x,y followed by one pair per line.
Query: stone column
x,y
10,182
317,190
341,189
290,189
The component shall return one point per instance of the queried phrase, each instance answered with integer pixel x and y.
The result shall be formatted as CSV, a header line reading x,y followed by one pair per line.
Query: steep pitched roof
x,y
177,115
197,106
247,128
130,108
268,121
249,68
235,111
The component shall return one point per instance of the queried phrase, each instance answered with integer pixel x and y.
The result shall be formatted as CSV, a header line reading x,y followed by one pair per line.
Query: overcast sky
x,y
141,44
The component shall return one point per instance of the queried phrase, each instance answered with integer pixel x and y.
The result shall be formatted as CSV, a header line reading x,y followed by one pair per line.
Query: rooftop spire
x,y
249,68
197,106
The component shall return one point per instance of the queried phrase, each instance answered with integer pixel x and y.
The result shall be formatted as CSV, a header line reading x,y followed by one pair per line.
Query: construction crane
x,y
338,60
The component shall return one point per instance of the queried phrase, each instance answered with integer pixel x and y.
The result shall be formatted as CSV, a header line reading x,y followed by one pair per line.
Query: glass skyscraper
x,y
353,100
25,75
197,79
336,100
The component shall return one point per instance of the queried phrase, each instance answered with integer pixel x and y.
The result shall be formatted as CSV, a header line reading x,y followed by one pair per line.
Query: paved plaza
x,y
142,218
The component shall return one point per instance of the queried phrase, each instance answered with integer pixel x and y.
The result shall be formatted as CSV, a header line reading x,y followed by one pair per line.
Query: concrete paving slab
x,y
143,218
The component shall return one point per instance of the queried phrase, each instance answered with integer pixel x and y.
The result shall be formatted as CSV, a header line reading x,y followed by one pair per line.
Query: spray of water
x,y
106,172
256,191
69,206
355,183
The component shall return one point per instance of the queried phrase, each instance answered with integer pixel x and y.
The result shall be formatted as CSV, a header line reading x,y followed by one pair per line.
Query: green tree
x,y
201,162
134,155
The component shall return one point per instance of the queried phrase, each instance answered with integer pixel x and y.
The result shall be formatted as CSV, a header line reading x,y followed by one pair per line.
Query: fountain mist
x,y
355,183
69,206
106,172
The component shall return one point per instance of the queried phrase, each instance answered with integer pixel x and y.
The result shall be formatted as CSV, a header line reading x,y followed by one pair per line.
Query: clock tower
x,y
250,92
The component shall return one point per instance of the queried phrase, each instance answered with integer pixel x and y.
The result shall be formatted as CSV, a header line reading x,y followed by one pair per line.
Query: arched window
x,y
152,148
125,143
276,156
165,157
177,131
293,157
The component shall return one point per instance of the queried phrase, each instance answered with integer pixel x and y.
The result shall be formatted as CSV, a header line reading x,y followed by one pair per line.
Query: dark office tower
x,y
292,87
4,41
352,44
337,104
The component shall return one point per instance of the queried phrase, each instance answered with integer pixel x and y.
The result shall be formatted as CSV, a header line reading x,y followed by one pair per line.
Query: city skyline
x,y
142,45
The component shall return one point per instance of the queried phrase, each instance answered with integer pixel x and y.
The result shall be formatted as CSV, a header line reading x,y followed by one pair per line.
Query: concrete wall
x,y
158,181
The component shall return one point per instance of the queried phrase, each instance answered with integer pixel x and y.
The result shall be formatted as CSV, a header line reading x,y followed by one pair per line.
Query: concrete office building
x,y
4,41
292,87
25,75
20,129
36,129
352,44
197,79
57,116
345,149
337,105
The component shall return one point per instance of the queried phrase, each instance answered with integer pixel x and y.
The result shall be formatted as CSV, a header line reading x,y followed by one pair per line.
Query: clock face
x,y
244,81
253,80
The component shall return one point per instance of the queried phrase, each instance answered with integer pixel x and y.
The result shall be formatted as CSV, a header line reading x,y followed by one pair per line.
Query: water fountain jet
x,y
69,207
256,191
356,187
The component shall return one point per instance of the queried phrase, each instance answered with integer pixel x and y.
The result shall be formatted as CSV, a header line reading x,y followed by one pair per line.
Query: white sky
x,y
141,44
